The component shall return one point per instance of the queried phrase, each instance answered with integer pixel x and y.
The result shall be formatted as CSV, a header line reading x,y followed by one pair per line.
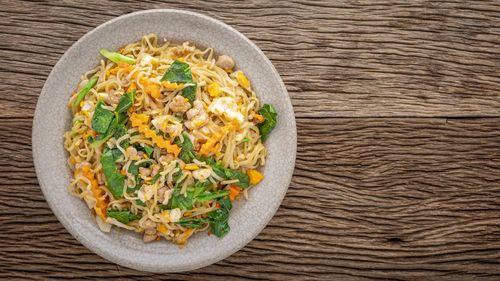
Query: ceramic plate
x,y
53,118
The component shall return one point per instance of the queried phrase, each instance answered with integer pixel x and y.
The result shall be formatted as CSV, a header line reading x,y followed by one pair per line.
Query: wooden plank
x,y
382,198
338,59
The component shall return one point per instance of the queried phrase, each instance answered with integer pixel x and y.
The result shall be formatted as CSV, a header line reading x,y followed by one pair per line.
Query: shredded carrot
x,y
210,146
180,247
217,205
233,191
138,120
123,172
73,161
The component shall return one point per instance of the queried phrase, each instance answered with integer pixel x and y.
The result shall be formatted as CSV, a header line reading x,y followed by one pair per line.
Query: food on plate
x,y
163,138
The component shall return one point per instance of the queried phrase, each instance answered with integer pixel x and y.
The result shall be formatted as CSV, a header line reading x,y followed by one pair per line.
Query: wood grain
x,y
373,59
398,162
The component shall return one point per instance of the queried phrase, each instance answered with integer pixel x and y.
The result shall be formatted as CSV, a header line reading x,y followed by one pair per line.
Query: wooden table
x,y
398,119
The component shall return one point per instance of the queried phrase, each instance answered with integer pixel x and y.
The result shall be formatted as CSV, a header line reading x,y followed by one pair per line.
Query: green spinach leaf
x,y
113,177
178,72
189,92
187,154
122,216
220,225
193,223
102,118
267,126
120,132
126,101
230,174
180,201
207,195
225,203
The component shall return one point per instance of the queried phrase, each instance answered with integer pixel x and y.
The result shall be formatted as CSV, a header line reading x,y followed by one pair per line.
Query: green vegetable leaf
x,y
102,138
243,179
225,203
116,57
84,91
149,151
267,126
146,149
207,195
178,72
244,140
199,187
140,203
189,92
193,223
230,174
121,118
122,216
120,132
220,224
126,101
114,179
187,154
180,201
102,118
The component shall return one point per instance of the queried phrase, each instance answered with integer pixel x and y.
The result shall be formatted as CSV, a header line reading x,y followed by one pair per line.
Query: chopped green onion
x,y
244,140
84,91
73,134
116,57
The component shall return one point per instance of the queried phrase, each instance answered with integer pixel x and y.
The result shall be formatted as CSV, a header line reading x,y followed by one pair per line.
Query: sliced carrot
x,y
233,191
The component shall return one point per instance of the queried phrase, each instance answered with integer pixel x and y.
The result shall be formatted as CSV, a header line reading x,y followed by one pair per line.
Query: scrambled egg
x,y
226,107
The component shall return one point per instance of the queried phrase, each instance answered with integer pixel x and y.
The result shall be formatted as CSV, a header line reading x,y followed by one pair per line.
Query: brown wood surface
x,y
398,119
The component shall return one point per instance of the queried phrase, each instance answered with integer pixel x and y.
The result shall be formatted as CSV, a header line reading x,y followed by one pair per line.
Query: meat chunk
x,y
174,129
165,159
113,98
150,231
197,116
184,50
179,104
164,195
225,62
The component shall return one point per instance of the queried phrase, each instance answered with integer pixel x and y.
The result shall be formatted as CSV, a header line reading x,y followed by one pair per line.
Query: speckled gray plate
x,y
52,119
